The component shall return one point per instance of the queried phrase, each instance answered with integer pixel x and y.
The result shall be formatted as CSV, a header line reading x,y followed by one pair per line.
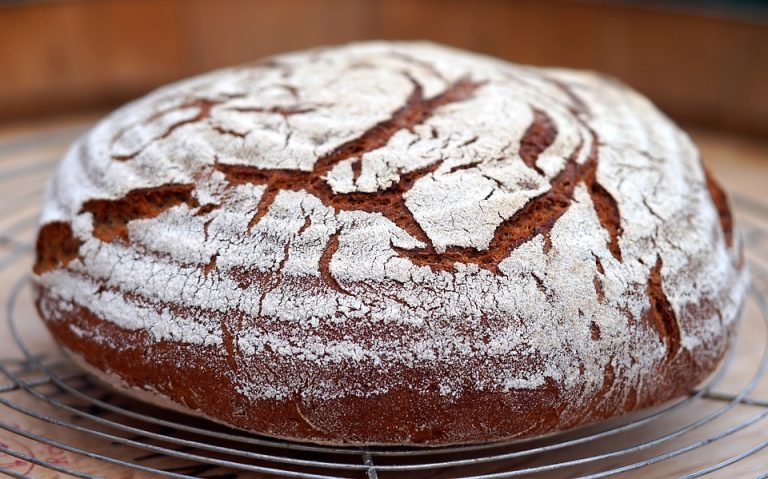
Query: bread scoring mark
x,y
111,217
56,246
660,314
720,201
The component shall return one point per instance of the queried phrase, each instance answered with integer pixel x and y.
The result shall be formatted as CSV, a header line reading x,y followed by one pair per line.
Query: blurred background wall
x,y
704,63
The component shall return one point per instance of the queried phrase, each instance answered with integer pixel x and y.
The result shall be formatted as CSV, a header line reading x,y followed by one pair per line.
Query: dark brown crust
x,y
416,111
400,416
56,246
537,217
608,213
720,201
660,315
539,135
325,260
110,217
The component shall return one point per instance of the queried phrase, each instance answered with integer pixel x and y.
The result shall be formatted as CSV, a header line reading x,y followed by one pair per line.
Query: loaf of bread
x,y
391,243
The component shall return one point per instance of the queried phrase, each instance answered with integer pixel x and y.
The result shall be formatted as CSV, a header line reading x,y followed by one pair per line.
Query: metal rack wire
x,y
38,384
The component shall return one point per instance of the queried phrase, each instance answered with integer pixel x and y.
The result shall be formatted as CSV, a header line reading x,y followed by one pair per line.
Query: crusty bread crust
x,y
391,243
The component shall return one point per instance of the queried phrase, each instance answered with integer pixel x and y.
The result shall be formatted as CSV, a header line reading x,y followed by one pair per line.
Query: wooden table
x,y
28,152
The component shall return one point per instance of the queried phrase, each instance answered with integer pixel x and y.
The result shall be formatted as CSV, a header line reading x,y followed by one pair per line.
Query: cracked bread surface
x,y
391,243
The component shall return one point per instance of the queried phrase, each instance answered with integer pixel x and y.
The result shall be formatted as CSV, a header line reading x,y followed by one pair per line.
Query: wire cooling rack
x,y
47,405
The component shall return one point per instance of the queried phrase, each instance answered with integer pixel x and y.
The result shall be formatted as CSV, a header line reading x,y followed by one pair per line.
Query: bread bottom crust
x,y
197,380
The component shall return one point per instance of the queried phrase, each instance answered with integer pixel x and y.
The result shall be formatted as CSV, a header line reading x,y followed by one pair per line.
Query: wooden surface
x,y
702,65
31,151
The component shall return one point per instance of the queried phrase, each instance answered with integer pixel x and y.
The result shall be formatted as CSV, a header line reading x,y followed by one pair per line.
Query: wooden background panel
x,y
78,55
63,55
235,31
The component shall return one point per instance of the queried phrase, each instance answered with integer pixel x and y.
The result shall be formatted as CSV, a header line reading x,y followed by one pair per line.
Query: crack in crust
x,y
325,264
538,216
415,111
279,110
608,213
56,246
578,107
203,105
389,203
537,138
721,204
111,217
662,317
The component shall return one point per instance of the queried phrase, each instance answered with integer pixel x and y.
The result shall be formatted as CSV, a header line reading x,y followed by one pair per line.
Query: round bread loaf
x,y
391,243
